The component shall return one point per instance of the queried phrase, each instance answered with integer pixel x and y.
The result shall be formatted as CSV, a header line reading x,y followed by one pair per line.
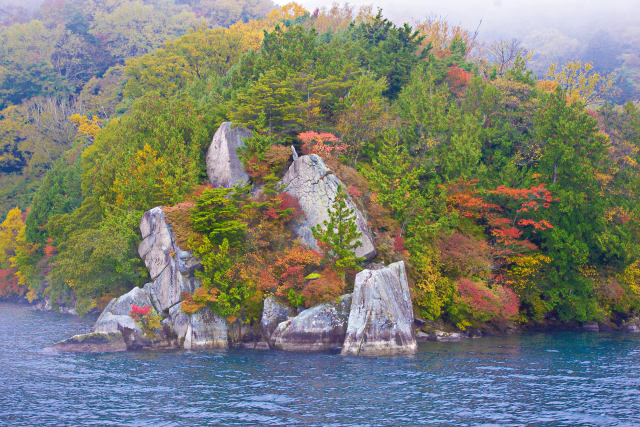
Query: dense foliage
x,y
69,59
510,199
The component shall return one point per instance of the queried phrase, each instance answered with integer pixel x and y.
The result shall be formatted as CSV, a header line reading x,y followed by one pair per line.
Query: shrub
x,y
263,158
289,271
179,217
297,275
458,80
223,290
324,287
484,303
219,214
147,318
431,291
462,255
323,144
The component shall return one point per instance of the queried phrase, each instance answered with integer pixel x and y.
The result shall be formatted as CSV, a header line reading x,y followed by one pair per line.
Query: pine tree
x,y
218,215
573,160
339,237
394,178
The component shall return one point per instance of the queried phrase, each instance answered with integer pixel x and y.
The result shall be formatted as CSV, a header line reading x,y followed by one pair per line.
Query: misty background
x,y
605,33
509,18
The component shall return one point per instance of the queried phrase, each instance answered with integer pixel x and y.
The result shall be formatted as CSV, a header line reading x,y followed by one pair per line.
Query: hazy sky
x,y
508,18
500,18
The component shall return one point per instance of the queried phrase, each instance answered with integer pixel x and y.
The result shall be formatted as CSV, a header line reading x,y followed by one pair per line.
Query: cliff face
x,y
171,269
382,294
316,186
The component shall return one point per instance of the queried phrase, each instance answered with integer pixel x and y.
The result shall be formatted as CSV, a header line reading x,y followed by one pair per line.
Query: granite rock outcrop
x,y
381,316
319,328
316,186
224,168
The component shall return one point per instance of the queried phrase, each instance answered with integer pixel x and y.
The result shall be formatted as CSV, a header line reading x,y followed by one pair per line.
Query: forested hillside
x,y
510,199
68,57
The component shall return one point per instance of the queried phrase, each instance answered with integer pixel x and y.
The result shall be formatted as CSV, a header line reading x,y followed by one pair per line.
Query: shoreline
x,y
437,332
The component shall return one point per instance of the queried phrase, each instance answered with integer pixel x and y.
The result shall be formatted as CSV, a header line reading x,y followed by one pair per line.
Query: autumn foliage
x,y
490,272
504,218
324,144
139,311
261,165
9,286
147,318
462,255
486,303
458,79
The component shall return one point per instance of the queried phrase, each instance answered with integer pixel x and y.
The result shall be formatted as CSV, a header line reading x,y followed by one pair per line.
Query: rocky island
x,y
302,180
223,212
377,319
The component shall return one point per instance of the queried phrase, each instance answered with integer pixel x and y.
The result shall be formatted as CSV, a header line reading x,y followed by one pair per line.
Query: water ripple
x,y
560,378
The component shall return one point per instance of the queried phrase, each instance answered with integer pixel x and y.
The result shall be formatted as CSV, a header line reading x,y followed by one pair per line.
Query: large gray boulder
x,y
224,168
381,316
273,313
115,330
316,186
110,323
115,319
319,328
206,330
632,326
115,316
122,304
171,269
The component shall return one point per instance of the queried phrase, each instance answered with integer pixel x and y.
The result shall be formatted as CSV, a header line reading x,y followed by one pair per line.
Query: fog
x,y
28,4
605,32
496,19
509,18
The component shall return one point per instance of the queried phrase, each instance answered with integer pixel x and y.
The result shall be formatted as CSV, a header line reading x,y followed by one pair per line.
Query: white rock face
x,y
115,316
171,269
224,168
180,322
319,328
633,328
316,186
115,319
632,325
381,316
122,304
273,313
111,323
172,272
206,330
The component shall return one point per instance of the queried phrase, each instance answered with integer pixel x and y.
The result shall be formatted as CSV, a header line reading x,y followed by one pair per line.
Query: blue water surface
x,y
563,378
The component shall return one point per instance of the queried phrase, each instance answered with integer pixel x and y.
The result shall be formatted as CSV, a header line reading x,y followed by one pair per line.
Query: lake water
x,y
561,378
